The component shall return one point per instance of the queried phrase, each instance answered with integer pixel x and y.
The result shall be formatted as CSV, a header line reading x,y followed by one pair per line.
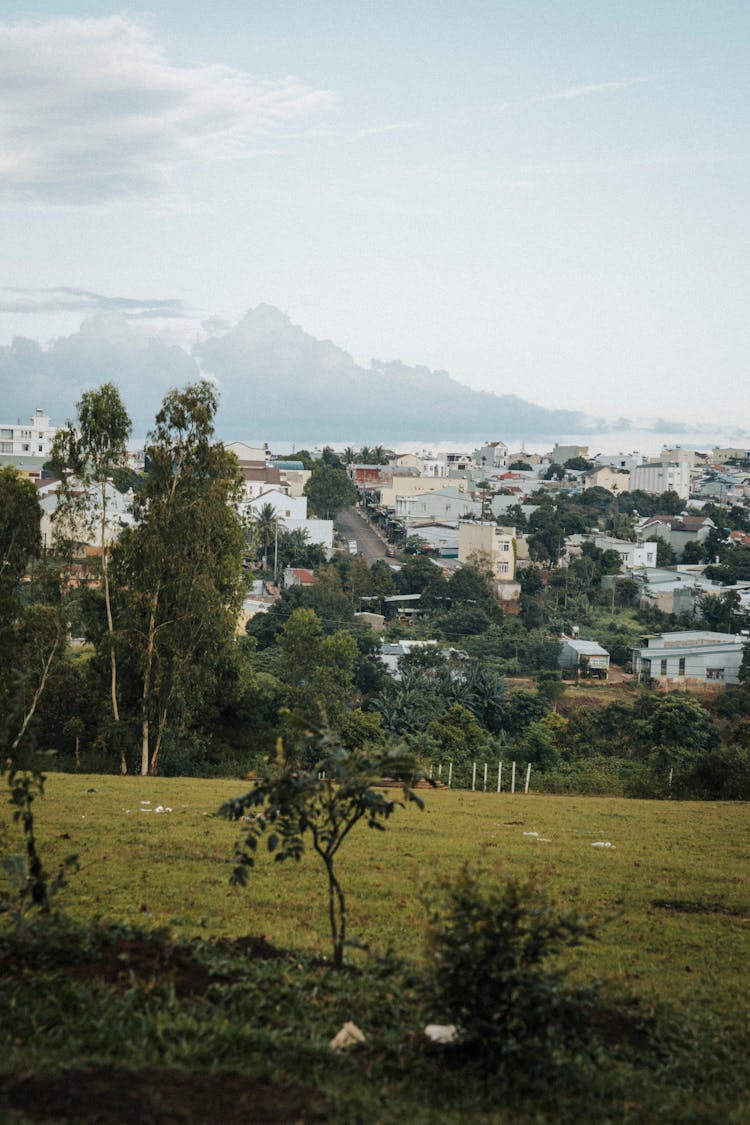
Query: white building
x,y
693,660
493,455
662,476
447,503
29,439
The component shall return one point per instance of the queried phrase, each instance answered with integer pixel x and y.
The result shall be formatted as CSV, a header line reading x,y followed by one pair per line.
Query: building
x,y
632,555
624,461
662,476
412,486
486,541
693,660
604,476
677,531
562,453
448,503
585,658
493,455
28,439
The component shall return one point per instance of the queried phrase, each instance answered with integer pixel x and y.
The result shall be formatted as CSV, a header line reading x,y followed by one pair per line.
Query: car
x,y
390,552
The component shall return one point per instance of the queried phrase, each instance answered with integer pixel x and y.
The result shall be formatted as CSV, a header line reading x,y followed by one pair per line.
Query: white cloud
x,y
92,111
587,90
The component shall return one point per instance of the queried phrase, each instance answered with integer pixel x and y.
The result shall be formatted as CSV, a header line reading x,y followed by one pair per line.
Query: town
x,y
467,577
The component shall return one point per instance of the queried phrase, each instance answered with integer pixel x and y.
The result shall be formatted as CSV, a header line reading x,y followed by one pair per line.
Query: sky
x,y
544,199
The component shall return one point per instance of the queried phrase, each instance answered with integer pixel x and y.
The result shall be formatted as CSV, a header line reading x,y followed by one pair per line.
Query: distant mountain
x,y
276,381
280,381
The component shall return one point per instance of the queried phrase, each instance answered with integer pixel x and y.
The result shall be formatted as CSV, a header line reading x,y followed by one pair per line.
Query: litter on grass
x,y
346,1037
602,844
530,833
441,1032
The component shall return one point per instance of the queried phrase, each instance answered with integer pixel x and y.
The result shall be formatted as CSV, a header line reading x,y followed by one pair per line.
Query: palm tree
x,y
266,525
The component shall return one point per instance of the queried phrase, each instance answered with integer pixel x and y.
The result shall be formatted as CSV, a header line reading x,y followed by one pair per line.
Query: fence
x,y
459,779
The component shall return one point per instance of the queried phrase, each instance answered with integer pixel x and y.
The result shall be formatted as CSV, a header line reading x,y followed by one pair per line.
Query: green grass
x,y
670,898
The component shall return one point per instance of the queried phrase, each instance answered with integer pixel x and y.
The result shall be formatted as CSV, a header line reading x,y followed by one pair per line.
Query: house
x,y
448,503
411,486
604,476
624,461
693,660
632,555
78,528
586,658
493,455
483,540
28,439
370,477
298,576
675,530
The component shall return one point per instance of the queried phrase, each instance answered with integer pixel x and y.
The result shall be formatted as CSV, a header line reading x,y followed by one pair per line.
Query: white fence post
x,y
440,770
512,777
473,776
450,773
499,776
430,771
484,787
528,778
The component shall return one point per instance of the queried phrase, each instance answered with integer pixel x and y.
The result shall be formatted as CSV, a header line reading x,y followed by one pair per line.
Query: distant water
x,y
647,441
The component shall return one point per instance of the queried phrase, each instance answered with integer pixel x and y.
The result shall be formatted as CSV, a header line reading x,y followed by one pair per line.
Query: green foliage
x,y
458,736
329,491
30,886
179,569
321,804
491,942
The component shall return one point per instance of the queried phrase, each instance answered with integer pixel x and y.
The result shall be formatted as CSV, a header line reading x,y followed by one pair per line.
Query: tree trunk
x,y
148,667
110,622
153,768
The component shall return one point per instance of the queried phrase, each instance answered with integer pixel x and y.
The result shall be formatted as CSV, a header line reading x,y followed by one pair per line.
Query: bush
x,y
490,943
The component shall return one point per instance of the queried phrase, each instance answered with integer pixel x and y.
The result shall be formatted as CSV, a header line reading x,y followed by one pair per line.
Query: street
x,y
353,526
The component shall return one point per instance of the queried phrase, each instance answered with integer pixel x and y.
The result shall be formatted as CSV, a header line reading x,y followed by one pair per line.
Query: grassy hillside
x,y
670,899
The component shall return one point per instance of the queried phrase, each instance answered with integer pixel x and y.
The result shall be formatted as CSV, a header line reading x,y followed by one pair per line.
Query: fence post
x,y
528,778
430,771
499,776
473,776
512,777
484,787
450,773
440,770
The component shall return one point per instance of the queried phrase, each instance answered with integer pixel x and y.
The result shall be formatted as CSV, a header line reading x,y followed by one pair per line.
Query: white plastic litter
x,y
441,1032
530,833
145,802
346,1037
602,844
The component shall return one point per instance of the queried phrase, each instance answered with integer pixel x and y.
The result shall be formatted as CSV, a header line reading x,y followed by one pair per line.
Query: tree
x,y
318,669
321,804
180,567
458,735
20,539
90,453
329,491
265,527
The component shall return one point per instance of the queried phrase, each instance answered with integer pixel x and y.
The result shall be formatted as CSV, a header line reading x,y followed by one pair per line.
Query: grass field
x,y
670,899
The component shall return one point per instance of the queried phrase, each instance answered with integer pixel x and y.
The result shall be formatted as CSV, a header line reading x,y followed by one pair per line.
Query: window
x,y
681,667
714,673
663,668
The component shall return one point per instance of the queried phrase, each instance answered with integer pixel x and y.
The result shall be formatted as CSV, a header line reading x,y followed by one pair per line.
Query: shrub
x,y
491,942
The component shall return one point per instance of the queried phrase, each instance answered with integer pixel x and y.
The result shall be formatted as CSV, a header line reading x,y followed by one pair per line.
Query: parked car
x,y
390,552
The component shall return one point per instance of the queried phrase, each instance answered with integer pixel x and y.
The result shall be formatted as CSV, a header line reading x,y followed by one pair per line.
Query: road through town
x,y
354,526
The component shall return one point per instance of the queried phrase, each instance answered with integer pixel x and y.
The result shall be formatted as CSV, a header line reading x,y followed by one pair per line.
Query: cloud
x,y
61,299
587,90
93,112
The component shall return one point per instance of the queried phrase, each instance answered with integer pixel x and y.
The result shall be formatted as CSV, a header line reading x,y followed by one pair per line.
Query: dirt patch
x,y
160,1096
686,906
147,960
